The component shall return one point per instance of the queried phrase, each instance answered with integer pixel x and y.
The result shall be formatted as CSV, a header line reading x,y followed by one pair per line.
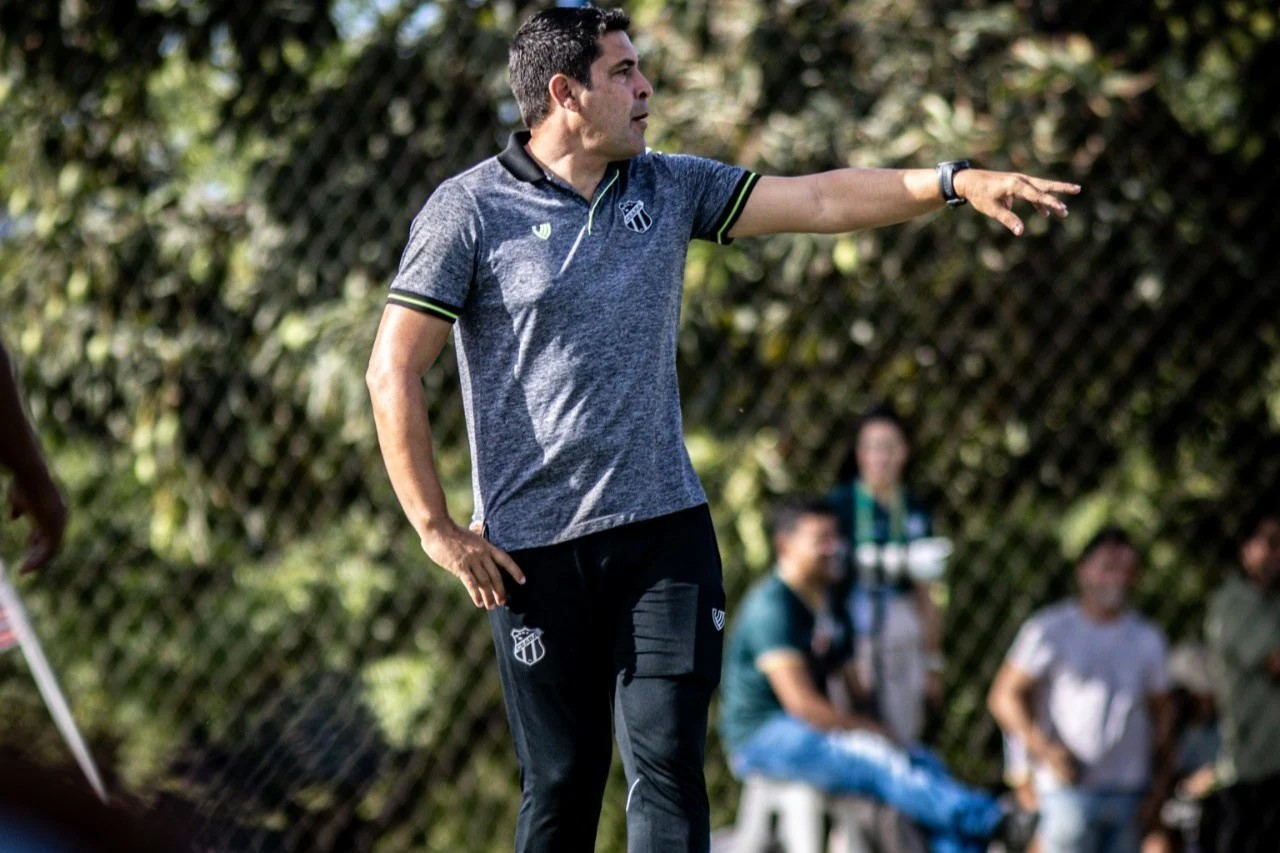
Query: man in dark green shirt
x,y
776,720
1243,632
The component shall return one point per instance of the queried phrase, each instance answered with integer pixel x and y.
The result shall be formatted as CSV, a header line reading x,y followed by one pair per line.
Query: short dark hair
x,y
788,511
562,40
1111,534
882,412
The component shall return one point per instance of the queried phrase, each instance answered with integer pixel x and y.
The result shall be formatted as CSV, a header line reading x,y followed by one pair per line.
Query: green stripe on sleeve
x,y
735,209
427,306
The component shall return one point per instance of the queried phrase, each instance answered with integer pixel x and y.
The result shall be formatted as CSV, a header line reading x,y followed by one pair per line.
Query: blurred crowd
x,y
1113,742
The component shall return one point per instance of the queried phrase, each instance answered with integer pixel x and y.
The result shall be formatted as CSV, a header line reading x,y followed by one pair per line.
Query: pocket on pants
x,y
541,635
676,628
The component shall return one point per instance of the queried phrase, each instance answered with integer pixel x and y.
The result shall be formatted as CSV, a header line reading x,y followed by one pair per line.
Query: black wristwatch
x,y
947,181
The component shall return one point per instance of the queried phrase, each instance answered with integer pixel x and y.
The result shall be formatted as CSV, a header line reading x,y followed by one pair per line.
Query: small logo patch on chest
x,y
635,217
542,231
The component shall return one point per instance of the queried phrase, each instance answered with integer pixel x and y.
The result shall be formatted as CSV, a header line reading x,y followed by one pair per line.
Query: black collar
x,y
517,161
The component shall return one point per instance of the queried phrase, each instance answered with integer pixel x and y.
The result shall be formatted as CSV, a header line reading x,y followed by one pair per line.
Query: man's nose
x,y
643,90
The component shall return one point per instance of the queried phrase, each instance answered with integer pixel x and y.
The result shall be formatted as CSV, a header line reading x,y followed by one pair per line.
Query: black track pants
x,y
629,621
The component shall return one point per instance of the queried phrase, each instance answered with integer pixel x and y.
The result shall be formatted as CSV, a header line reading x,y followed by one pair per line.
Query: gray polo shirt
x,y
566,315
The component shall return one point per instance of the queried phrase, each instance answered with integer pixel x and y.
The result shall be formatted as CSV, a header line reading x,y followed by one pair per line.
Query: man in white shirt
x,y
1085,689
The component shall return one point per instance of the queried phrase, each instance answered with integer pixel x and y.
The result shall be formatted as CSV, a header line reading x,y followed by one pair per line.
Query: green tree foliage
x,y
204,202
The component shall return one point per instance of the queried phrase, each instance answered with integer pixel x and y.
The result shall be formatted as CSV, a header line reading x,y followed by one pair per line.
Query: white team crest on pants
x,y
528,645
634,216
717,616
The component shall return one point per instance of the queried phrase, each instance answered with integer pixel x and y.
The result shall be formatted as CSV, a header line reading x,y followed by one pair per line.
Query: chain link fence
x,y
204,203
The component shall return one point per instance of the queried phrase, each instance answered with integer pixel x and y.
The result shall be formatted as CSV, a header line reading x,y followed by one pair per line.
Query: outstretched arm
x,y
407,344
33,492
853,199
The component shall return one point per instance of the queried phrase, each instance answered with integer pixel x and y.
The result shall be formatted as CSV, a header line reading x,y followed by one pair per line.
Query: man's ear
x,y
564,92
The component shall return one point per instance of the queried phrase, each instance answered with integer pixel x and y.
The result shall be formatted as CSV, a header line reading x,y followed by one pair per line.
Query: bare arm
x,y
1163,754
407,344
792,684
33,492
1010,702
852,199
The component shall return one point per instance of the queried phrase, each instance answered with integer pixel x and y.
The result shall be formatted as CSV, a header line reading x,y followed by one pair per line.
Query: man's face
x,y
1107,576
1260,554
811,548
614,109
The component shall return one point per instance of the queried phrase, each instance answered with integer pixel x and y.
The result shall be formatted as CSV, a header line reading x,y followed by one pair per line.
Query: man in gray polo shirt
x,y
561,263
1084,690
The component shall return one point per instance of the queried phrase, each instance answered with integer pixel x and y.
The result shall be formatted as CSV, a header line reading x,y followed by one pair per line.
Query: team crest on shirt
x,y
635,217
717,618
528,647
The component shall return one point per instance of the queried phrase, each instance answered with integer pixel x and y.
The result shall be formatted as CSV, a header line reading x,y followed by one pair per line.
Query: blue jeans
x,y
1073,821
957,819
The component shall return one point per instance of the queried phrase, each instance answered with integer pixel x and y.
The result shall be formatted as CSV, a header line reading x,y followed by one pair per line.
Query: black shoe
x,y
1016,829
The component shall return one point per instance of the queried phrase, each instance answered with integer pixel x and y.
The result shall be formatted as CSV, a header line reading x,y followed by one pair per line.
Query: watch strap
x,y
946,181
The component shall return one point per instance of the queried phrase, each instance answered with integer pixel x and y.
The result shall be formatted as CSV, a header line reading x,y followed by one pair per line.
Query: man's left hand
x,y
993,194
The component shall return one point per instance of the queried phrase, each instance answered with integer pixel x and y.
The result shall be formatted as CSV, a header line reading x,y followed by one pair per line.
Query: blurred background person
x,y
33,493
1196,741
1084,689
776,721
1196,746
896,620
1243,633
1196,729
41,808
